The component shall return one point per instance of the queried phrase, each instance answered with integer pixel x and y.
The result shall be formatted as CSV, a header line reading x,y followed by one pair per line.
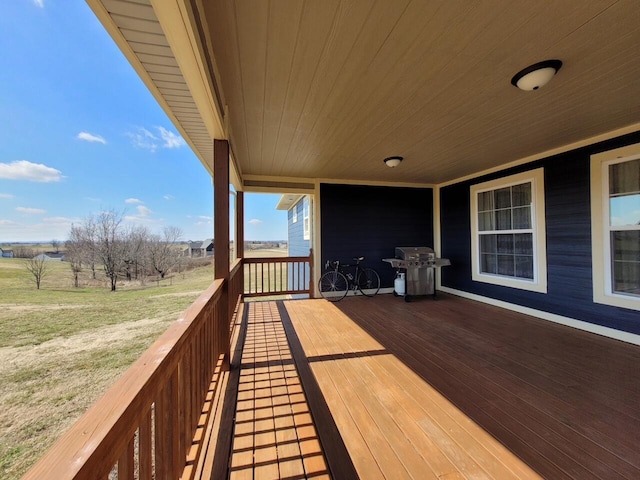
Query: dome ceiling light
x,y
535,76
393,161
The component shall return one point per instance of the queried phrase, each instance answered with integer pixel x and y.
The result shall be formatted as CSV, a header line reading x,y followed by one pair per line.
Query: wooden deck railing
x,y
278,276
145,424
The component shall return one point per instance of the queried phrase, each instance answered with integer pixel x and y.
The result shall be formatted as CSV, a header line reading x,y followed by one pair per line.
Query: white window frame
x,y
294,215
600,230
539,281
306,221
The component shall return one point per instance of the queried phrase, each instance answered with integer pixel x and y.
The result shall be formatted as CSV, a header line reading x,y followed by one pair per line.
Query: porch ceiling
x,y
328,89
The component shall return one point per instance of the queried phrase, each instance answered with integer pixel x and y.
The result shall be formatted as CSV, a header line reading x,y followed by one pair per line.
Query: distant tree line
x,y
123,251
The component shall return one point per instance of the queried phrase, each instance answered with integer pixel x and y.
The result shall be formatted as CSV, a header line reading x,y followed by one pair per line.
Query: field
x,y
62,347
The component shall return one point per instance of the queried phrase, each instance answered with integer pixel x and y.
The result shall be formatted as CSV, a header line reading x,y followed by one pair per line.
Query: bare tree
x,y
75,252
137,239
162,252
55,244
38,268
103,241
23,252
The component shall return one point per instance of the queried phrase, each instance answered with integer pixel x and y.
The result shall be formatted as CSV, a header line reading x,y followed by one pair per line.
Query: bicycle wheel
x,y
333,286
368,282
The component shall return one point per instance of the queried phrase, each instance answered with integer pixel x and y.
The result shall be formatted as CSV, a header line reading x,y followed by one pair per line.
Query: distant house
x,y
6,253
298,209
200,249
51,256
298,223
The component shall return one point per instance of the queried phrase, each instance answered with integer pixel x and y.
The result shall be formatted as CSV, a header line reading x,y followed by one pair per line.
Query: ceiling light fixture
x,y
392,161
535,76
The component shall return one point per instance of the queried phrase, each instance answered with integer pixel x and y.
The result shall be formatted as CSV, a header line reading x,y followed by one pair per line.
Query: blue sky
x,y
82,134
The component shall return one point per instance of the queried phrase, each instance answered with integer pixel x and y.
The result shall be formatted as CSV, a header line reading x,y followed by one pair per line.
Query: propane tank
x,y
399,285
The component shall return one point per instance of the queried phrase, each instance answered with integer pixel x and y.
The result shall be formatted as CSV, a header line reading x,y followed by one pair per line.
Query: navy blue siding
x,y
371,221
568,226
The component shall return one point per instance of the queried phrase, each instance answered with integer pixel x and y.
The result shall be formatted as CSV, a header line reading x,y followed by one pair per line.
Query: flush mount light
x,y
392,161
535,76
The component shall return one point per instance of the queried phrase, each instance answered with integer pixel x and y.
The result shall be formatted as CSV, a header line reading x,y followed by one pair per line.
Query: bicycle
x,y
336,282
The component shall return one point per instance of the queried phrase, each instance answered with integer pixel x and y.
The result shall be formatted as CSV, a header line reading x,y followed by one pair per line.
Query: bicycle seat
x,y
358,259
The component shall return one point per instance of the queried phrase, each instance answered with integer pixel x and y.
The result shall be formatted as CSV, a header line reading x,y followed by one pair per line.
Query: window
x,y
615,202
306,223
295,214
508,232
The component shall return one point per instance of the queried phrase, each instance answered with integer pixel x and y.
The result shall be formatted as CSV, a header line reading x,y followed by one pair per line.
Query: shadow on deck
x,y
378,388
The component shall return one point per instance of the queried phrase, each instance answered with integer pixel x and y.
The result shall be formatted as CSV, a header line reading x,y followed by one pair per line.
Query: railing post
x,y
311,281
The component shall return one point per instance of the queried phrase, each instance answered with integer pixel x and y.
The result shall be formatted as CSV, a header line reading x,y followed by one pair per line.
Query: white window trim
x,y
294,214
306,223
600,247
539,282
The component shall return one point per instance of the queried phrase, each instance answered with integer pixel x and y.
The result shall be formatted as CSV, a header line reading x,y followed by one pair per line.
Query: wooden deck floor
x,y
274,435
435,389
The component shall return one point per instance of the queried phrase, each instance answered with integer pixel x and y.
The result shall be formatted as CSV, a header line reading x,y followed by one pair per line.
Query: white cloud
x,y
90,137
143,138
255,221
171,140
204,217
30,211
39,3
143,211
133,200
168,197
6,195
6,222
33,172
60,220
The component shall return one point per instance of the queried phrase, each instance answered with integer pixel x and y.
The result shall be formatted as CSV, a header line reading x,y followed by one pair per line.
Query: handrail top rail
x,y
275,259
127,398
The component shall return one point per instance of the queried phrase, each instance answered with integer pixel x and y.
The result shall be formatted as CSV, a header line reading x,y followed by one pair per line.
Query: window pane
x,y
522,217
524,266
488,263
486,221
505,265
505,243
624,177
523,243
625,210
503,220
488,244
625,247
521,194
485,201
503,197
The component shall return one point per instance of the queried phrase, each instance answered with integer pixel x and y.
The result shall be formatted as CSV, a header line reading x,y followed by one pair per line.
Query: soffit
x,y
134,26
328,89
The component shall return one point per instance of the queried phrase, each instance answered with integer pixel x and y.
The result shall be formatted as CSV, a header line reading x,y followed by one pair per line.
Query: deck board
x,y
274,435
489,392
449,389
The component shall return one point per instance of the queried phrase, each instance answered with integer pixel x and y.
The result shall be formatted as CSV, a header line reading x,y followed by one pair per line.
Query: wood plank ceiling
x,y
327,89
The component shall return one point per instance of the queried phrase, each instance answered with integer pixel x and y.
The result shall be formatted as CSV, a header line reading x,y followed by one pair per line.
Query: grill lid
x,y
415,253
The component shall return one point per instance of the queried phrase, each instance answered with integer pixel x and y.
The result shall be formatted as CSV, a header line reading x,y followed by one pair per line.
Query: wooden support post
x,y
221,239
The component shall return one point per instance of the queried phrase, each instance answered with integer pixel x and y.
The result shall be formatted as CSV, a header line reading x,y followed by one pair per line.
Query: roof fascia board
x,y
177,22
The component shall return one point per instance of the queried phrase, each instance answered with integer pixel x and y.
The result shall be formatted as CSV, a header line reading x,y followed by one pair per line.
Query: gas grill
x,y
419,264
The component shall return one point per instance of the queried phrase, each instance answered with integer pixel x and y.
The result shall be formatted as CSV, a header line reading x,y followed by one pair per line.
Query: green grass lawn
x,y
61,347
